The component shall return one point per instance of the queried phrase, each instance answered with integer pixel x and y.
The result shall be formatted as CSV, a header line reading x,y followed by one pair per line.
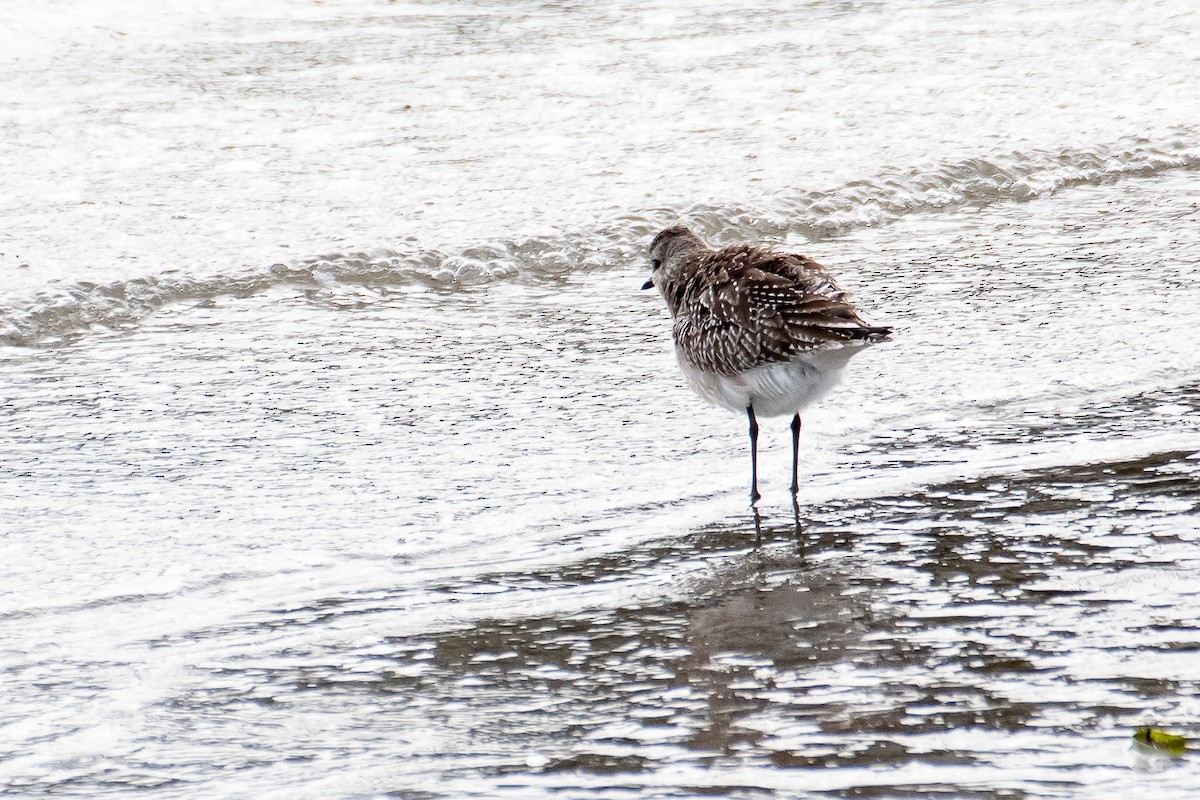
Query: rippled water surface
x,y
343,457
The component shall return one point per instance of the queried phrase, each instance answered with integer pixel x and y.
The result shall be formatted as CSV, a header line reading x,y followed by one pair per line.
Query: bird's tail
x,y
869,333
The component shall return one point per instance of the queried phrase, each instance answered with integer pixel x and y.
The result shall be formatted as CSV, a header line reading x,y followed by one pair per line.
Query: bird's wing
x,y
761,307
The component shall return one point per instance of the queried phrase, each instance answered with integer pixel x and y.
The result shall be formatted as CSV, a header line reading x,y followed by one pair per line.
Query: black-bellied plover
x,y
756,330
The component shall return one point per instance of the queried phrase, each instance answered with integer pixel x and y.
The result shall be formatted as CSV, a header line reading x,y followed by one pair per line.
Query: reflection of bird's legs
x,y
754,495
799,527
795,456
757,526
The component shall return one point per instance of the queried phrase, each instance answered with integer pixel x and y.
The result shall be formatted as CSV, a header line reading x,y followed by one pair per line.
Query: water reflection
x,y
931,637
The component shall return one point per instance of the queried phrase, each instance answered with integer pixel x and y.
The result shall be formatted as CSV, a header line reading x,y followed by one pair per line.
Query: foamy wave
x,y
1018,177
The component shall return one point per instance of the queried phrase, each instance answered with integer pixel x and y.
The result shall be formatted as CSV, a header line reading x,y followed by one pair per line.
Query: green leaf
x,y
1160,741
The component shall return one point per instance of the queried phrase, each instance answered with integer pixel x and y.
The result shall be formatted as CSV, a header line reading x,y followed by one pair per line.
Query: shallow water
x,y
344,459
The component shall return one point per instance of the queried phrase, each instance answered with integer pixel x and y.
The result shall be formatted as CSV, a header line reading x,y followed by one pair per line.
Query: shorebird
x,y
756,330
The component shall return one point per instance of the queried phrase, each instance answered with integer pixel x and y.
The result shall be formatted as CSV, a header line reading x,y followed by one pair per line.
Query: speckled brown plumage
x,y
744,306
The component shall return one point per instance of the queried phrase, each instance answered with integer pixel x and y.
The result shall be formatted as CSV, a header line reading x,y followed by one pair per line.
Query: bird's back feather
x,y
745,306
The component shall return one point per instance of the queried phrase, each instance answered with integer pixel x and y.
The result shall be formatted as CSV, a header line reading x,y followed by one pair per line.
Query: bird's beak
x,y
648,285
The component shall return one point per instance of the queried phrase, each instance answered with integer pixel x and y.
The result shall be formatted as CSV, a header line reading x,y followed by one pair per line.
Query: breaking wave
x,y
1018,176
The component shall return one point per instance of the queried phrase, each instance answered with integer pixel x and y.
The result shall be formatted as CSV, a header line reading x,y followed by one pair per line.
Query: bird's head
x,y
667,255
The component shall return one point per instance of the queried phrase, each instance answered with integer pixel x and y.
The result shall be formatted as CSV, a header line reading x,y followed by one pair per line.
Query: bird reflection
x,y
797,526
814,618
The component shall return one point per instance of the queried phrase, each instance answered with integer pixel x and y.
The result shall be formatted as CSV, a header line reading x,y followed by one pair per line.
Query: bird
x,y
756,330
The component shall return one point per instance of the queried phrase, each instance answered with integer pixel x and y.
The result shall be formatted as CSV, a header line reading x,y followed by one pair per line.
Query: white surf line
x,y
838,483
422,608
1013,460
411,597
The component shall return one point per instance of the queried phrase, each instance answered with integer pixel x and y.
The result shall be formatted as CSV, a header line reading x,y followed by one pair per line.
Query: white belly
x,y
774,389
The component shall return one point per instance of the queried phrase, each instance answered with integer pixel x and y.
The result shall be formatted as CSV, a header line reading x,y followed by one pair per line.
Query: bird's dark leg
x,y
795,455
754,495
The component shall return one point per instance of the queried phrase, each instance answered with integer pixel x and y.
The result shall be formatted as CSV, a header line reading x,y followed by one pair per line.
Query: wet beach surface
x,y
986,596
431,513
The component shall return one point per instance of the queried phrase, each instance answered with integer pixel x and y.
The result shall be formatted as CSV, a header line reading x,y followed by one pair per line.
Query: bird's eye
x,y
655,264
